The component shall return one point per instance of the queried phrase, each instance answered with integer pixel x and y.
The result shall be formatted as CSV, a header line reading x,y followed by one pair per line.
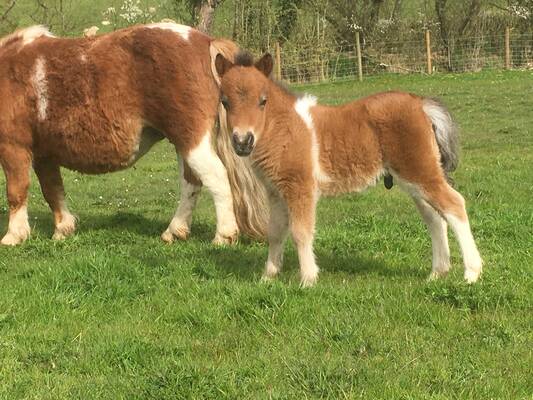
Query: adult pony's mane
x,y
25,35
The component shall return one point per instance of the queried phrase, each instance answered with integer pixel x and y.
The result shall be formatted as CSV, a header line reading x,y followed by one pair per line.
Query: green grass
x,y
114,313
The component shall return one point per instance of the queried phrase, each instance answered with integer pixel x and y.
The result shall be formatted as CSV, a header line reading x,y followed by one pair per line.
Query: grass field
x,y
113,313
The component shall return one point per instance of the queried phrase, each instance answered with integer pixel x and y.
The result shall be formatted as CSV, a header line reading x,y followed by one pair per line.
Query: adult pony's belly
x,y
101,153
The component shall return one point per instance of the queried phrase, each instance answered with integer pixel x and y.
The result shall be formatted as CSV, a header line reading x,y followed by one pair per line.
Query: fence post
x,y
507,48
359,58
428,51
278,62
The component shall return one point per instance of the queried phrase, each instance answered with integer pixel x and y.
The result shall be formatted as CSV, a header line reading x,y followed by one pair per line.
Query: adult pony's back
x,y
98,104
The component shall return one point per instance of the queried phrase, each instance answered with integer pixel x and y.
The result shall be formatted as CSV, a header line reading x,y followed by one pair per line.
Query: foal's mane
x,y
245,59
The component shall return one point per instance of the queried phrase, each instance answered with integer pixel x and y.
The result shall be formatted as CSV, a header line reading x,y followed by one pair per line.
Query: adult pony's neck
x,y
25,36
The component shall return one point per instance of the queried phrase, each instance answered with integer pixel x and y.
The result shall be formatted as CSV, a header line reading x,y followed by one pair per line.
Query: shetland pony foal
x,y
301,149
98,104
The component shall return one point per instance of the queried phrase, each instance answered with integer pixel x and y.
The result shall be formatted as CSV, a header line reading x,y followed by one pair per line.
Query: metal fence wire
x,y
314,63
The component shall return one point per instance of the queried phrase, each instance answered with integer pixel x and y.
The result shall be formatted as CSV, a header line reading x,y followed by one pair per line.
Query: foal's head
x,y
244,95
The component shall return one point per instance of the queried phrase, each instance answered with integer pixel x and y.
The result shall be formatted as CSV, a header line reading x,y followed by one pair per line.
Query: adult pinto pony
x,y
301,149
98,104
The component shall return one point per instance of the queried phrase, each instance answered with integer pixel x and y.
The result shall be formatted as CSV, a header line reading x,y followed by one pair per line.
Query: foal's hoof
x,y
308,281
12,240
437,275
472,275
224,240
181,233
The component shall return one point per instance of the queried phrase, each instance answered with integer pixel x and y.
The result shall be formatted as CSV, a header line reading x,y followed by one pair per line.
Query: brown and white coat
x,y
302,150
98,104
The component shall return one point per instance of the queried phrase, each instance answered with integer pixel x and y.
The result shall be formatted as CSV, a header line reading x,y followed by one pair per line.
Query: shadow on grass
x,y
244,261
247,263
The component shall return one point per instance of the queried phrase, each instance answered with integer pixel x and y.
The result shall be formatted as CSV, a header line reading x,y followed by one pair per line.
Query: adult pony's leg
x,y
53,191
277,234
16,162
209,169
190,187
438,229
302,210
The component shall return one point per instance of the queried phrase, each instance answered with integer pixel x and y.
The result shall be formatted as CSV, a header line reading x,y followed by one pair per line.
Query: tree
x,y
202,12
5,23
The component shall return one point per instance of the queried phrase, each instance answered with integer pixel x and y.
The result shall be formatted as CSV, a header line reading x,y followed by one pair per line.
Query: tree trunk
x,y
206,13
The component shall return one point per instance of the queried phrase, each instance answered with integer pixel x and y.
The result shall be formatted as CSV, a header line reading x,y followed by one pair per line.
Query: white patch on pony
x,y
28,35
18,229
209,169
471,258
83,58
303,109
41,87
182,30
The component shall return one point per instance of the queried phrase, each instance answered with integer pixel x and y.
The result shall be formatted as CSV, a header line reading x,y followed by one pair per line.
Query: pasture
x,y
115,313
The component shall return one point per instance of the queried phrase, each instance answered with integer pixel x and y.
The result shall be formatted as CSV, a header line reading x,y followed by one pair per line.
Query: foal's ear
x,y
265,64
222,64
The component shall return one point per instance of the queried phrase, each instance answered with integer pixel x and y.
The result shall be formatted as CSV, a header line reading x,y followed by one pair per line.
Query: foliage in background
x,y
316,36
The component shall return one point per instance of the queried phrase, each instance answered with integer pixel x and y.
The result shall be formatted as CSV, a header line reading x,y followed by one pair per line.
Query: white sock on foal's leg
x,y
438,230
181,222
209,169
308,268
471,258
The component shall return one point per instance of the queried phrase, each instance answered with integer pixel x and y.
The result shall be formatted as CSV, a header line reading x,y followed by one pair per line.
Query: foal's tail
x,y
250,200
446,133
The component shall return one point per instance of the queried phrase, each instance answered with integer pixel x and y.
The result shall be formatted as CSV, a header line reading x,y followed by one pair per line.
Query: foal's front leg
x,y
302,209
277,234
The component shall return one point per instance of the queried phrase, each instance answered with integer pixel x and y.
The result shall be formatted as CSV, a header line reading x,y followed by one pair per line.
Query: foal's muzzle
x,y
243,146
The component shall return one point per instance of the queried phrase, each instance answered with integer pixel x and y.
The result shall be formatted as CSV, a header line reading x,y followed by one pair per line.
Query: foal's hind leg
x,y
16,162
190,187
451,205
53,191
438,230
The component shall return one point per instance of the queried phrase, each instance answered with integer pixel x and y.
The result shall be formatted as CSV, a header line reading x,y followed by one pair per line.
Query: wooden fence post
x,y
278,62
428,51
359,58
507,48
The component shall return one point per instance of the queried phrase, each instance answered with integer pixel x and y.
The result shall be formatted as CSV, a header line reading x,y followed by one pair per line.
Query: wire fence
x,y
317,64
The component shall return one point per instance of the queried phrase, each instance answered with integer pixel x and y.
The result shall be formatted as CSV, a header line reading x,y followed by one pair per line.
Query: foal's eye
x,y
225,102
262,102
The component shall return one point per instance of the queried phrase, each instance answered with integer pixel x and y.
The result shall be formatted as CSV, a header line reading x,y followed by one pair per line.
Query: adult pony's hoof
x,y
12,240
170,234
65,228
224,240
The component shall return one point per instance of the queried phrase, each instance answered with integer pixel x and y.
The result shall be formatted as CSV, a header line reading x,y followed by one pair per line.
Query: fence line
x,y
316,63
